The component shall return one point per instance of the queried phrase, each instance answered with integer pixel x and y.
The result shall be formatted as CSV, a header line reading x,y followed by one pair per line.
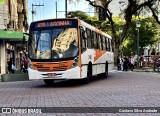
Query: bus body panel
x,y
98,58
98,66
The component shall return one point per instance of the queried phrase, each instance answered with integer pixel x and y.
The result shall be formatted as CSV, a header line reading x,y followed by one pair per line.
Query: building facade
x,y
13,22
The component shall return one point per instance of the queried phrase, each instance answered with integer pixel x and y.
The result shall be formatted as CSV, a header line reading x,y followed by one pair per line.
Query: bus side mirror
x,y
83,35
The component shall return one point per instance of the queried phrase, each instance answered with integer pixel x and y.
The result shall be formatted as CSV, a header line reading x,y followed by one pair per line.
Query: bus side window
x,y
88,32
109,45
92,39
95,40
83,39
106,42
103,43
100,42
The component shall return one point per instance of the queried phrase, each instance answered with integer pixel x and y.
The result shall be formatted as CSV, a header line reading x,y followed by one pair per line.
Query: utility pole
x,y
138,41
66,7
56,9
62,11
33,12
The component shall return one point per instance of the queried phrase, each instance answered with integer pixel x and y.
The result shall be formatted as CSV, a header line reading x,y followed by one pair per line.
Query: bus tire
x,y
89,74
49,82
105,74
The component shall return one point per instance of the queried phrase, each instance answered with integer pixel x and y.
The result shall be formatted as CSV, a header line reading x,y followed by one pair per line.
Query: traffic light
x,y
101,14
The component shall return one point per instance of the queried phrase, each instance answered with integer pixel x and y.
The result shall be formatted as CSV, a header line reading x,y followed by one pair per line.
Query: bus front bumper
x,y
73,73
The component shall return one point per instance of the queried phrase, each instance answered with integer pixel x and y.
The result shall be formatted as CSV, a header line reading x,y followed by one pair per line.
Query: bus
x,y
68,48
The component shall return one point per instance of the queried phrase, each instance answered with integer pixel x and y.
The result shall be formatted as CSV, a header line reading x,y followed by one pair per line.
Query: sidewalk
x,y
143,69
17,76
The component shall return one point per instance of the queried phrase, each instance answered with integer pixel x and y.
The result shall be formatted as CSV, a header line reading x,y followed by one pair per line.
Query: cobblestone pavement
x,y
120,89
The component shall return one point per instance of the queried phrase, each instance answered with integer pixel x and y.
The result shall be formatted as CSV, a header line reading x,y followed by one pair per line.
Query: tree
x,y
147,35
133,8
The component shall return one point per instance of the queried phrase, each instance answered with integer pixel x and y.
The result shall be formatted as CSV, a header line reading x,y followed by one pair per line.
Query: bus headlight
x,y
75,62
30,65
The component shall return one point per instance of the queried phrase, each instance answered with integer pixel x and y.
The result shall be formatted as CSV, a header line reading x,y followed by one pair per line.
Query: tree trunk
x,y
116,52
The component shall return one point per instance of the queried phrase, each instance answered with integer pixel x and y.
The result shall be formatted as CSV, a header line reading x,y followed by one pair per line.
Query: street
x,y
120,89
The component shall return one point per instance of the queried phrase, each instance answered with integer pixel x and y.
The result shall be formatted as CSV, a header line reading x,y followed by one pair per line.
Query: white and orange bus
x,y
68,48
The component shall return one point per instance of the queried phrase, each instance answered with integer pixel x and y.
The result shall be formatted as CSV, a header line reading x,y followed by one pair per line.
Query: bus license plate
x,y
51,74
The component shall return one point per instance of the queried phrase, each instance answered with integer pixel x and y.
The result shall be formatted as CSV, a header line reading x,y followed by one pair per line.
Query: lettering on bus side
x,y
89,56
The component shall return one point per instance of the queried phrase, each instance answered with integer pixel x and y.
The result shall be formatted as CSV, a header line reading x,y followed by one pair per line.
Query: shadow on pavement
x,y
73,82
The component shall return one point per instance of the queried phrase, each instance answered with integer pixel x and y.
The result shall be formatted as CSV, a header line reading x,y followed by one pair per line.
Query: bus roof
x,y
52,19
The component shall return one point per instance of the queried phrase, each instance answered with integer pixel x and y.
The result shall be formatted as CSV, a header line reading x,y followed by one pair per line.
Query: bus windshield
x,y
55,43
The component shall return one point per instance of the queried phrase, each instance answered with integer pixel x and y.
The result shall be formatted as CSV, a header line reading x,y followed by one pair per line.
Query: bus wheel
x,y
89,75
48,82
105,74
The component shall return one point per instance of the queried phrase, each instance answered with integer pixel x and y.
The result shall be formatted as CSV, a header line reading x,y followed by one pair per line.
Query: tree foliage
x,y
148,30
147,36
133,8
83,16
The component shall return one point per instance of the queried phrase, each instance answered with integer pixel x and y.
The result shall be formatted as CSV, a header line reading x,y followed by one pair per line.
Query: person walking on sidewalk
x,y
118,63
141,61
25,64
132,63
125,64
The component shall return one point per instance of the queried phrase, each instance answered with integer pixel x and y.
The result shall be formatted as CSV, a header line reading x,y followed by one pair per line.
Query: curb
x,y
14,77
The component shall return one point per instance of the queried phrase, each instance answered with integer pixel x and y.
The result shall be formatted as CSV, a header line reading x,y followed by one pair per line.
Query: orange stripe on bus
x,y
99,53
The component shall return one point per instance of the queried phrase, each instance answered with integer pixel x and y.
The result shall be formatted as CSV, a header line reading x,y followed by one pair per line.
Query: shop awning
x,y
11,35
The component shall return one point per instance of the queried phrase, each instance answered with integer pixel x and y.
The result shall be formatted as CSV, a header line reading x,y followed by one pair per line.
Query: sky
x,y
49,9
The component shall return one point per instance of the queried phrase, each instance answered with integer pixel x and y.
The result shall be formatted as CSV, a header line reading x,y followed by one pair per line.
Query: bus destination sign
x,y
54,23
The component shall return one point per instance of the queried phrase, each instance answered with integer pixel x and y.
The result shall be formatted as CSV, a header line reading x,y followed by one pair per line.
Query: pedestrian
x,y
118,63
158,63
121,62
125,63
25,64
129,62
22,64
11,66
141,61
132,63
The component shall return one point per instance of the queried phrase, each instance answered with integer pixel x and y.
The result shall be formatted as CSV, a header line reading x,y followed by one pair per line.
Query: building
x,y
13,22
